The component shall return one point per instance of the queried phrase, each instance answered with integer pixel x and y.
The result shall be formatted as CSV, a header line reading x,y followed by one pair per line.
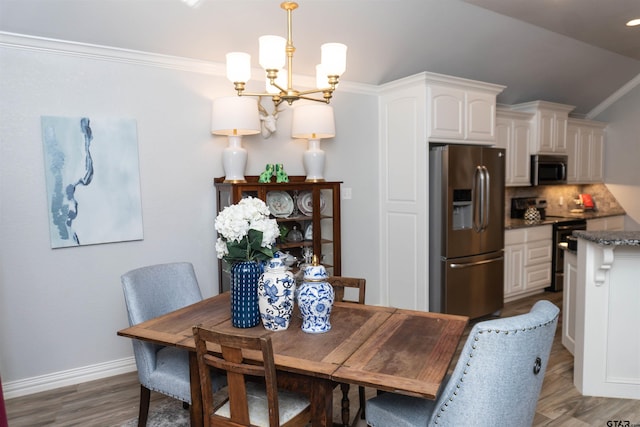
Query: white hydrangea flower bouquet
x,y
246,233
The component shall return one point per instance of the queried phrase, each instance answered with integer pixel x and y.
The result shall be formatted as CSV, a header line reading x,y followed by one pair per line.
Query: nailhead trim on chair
x,y
461,380
167,394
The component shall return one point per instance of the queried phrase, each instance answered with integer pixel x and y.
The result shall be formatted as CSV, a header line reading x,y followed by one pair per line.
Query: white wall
x,y
622,154
60,308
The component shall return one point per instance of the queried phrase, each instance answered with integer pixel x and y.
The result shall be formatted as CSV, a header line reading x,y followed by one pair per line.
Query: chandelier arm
x,y
270,95
281,89
310,91
308,98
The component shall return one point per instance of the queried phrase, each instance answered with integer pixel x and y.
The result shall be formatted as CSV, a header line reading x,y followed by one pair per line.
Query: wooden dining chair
x,y
250,403
339,284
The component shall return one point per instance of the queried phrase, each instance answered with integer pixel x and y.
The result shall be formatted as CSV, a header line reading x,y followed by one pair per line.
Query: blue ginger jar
x,y
276,288
315,299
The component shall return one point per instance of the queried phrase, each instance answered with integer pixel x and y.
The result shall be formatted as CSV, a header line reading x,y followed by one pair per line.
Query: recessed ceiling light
x,y
633,22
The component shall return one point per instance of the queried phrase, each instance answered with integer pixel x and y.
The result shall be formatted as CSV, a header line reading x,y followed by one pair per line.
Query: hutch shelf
x,y
308,214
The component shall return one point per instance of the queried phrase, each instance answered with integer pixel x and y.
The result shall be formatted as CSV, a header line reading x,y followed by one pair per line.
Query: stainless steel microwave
x,y
548,169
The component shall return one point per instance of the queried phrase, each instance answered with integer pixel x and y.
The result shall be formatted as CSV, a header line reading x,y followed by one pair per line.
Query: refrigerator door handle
x,y
473,264
478,199
486,197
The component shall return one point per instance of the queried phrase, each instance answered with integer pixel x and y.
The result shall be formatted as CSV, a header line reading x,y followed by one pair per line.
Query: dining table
x,y
386,348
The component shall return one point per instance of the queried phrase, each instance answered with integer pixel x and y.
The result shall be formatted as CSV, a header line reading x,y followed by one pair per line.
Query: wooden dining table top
x,y
386,348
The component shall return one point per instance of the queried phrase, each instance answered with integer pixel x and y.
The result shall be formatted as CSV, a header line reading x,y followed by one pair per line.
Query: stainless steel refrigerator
x,y
466,229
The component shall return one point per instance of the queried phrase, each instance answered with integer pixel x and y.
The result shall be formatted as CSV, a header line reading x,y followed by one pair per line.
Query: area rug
x,y
167,413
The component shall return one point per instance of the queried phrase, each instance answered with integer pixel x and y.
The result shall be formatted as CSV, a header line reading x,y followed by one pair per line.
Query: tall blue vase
x,y
245,309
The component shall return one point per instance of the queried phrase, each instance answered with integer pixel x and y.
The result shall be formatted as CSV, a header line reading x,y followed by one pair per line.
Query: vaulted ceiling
x,y
540,49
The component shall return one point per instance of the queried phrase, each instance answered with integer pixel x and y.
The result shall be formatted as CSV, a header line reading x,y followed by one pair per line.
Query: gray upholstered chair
x,y
151,292
496,381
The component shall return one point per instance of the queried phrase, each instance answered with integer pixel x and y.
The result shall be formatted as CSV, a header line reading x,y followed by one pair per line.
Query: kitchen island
x,y
607,314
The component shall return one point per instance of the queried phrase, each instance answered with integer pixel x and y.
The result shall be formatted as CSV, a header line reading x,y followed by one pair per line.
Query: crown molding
x,y
134,57
105,53
615,96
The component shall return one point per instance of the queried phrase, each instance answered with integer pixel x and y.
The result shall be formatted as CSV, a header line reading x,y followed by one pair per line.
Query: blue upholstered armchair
x,y
151,292
496,381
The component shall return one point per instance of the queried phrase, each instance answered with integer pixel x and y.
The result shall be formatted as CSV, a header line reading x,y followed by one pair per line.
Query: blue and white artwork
x,y
93,180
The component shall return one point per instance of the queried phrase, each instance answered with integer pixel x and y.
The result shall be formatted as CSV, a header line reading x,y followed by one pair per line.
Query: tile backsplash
x,y
554,194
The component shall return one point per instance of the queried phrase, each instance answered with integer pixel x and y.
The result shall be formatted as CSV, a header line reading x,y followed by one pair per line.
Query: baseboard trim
x,y
70,377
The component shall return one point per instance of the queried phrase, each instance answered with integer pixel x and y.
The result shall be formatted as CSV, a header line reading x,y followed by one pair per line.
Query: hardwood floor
x,y
112,401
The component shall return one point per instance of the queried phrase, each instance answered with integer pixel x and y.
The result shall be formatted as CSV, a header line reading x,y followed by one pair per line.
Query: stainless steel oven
x,y
561,230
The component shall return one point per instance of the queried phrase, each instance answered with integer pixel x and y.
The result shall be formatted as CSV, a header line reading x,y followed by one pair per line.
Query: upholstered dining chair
x,y
151,292
249,403
339,284
496,381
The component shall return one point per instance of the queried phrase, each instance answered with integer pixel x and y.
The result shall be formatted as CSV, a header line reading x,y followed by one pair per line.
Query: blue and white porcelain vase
x,y
245,311
315,299
276,288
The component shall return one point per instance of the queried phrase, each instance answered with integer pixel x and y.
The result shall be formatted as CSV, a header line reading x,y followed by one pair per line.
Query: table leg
x,y
321,402
345,404
195,409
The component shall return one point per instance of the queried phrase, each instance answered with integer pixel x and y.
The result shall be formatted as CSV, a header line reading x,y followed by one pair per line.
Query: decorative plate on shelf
x,y
280,203
305,202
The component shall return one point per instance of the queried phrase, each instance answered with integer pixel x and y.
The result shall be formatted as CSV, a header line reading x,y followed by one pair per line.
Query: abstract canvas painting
x,y
93,180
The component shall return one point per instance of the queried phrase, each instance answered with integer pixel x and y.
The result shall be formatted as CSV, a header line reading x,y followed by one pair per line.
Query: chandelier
x,y
275,51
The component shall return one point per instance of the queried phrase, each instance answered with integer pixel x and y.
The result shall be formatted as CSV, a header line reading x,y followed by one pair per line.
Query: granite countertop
x,y
610,238
512,223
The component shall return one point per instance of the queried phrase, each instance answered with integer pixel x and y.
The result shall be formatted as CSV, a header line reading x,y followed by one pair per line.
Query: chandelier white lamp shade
x,y
234,117
238,66
276,58
313,122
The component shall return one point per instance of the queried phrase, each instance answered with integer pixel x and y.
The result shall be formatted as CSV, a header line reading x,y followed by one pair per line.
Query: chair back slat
x,y
339,284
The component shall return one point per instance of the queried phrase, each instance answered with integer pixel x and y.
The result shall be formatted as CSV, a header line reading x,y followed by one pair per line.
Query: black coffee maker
x,y
519,206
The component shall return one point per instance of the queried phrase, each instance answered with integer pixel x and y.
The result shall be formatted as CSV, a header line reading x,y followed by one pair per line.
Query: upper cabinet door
x,y
597,156
481,116
585,141
546,131
447,113
461,115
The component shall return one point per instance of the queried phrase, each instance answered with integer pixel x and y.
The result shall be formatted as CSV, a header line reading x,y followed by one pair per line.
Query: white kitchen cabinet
x,y
607,317
596,158
569,301
513,133
527,267
513,269
480,115
573,153
460,110
446,113
585,148
609,223
549,124
412,111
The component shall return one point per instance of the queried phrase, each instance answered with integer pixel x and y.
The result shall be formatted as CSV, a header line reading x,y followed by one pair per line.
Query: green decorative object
x,y
284,230
267,174
281,175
